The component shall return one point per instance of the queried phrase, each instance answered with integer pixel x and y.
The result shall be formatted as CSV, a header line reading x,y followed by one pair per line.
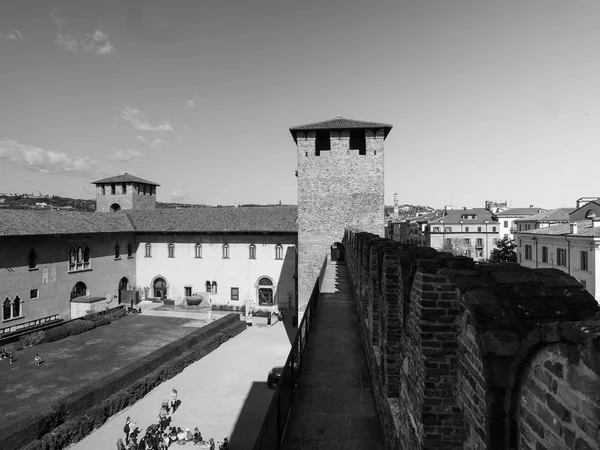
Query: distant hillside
x,y
405,211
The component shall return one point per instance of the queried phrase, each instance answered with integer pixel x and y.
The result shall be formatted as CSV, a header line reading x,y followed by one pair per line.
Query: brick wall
x,y
475,357
133,198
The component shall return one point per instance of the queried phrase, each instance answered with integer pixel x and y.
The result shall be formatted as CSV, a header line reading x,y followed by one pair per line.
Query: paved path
x,y
335,406
223,394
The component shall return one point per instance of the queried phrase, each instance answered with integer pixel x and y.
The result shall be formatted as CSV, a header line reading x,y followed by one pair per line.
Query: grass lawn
x,y
70,363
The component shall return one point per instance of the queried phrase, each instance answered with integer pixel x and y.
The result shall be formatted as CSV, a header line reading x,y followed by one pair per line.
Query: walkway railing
x,y
272,431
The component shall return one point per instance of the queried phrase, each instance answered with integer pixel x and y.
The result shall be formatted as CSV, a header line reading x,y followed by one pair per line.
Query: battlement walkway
x,y
334,407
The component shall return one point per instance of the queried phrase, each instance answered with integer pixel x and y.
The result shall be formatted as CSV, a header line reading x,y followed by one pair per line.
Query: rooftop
x,y
124,178
455,216
263,219
520,211
558,214
340,123
584,228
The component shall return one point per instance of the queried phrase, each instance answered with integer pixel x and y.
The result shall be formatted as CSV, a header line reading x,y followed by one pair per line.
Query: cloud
x,y
179,138
45,161
179,194
139,120
14,35
158,142
142,140
129,156
96,42
190,104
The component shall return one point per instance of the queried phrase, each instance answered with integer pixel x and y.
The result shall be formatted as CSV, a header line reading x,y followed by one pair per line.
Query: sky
x,y
488,100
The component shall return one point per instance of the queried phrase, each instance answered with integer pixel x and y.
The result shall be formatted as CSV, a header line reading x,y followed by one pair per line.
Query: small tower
x,y
396,206
340,185
125,192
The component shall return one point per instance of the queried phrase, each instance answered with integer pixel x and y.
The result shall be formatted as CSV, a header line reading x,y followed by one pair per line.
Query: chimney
x,y
573,227
531,206
595,222
464,208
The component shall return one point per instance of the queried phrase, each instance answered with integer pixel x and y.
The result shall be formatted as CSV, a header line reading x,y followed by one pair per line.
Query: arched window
x,y
32,259
117,251
278,251
265,292
130,250
87,254
590,214
208,285
214,287
72,258
252,250
160,288
148,250
79,256
225,251
171,250
198,251
6,309
17,306
79,290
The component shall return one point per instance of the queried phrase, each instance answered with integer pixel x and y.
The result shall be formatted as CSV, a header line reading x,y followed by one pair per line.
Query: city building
x,y
541,220
59,264
412,230
507,217
467,232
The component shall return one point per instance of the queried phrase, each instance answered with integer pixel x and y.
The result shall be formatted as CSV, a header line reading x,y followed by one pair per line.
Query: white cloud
x,y
129,155
179,138
179,194
44,161
14,35
140,121
96,42
158,142
190,104
142,140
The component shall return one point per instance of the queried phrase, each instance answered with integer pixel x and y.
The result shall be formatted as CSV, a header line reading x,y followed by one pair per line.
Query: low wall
x,y
466,356
90,407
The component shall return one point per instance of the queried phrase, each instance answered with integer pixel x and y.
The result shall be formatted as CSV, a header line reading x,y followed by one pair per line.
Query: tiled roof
x,y
340,123
15,222
520,212
123,178
453,216
224,219
584,228
267,219
549,216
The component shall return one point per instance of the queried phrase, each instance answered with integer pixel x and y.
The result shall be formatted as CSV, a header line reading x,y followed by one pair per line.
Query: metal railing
x,y
23,325
272,431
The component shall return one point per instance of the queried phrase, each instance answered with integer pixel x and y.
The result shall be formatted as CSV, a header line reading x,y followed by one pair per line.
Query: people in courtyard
x,y
181,435
197,436
188,435
225,444
120,445
38,359
127,429
211,444
173,400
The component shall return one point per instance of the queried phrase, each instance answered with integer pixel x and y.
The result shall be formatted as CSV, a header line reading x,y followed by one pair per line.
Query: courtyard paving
x,y
223,394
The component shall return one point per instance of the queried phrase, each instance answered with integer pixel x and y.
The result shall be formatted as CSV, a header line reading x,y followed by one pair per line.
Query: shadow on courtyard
x,y
251,416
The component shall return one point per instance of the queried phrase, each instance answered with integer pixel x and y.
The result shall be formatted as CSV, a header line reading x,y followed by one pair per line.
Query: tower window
x,y
32,259
130,250
322,141
17,306
358,141
208,286
225,251
198,251
148,250
214,288
113,189
117,251
6,309
252,251
171,251
278,251
124,188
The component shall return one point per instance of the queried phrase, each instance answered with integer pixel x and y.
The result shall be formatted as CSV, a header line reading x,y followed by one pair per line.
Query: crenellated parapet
x,y
466,356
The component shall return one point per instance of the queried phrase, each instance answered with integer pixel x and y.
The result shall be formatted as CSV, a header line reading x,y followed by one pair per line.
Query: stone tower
x,y
124,192
340,185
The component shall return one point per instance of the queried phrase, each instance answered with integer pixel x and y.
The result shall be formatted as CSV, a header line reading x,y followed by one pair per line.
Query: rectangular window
x,y
449,242
235,293
479,229
468,253
479,253
447,229
436,229
171,249
583,284
519,227
188,291
561,257
34,293
584,260
113,189
528,252
124,188
545,254
467,229
493,229
479,242
148,250
467,241
506,224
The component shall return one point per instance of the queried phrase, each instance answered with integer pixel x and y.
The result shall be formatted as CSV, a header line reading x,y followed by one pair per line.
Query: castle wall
x,y
475,357
335,189
132,197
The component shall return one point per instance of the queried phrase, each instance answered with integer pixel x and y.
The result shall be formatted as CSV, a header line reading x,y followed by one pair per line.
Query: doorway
x,y
123,286
160,288
337,252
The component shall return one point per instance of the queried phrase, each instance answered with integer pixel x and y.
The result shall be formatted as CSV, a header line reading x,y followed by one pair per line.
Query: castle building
x,y
340,184
59,264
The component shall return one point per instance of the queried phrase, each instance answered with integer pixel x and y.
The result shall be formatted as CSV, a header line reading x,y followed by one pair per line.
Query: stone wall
x,y
466,356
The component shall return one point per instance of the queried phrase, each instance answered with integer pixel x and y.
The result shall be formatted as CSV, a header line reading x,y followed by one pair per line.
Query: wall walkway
x,y
334,407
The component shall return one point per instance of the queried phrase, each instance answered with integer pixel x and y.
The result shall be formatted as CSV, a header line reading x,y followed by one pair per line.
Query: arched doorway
x,y
123,286
160,288
79,290
337,252
265,291
115,207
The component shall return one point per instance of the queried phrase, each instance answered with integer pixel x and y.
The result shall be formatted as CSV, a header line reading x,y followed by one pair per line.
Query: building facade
x,y
465,232
506,218
340,184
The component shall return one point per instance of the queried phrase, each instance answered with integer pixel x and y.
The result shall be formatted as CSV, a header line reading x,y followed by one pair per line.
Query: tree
x,y
457,247
505,251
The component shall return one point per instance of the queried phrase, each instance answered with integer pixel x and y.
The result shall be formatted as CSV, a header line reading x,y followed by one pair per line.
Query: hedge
x,y
79,326
56,333
81,412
